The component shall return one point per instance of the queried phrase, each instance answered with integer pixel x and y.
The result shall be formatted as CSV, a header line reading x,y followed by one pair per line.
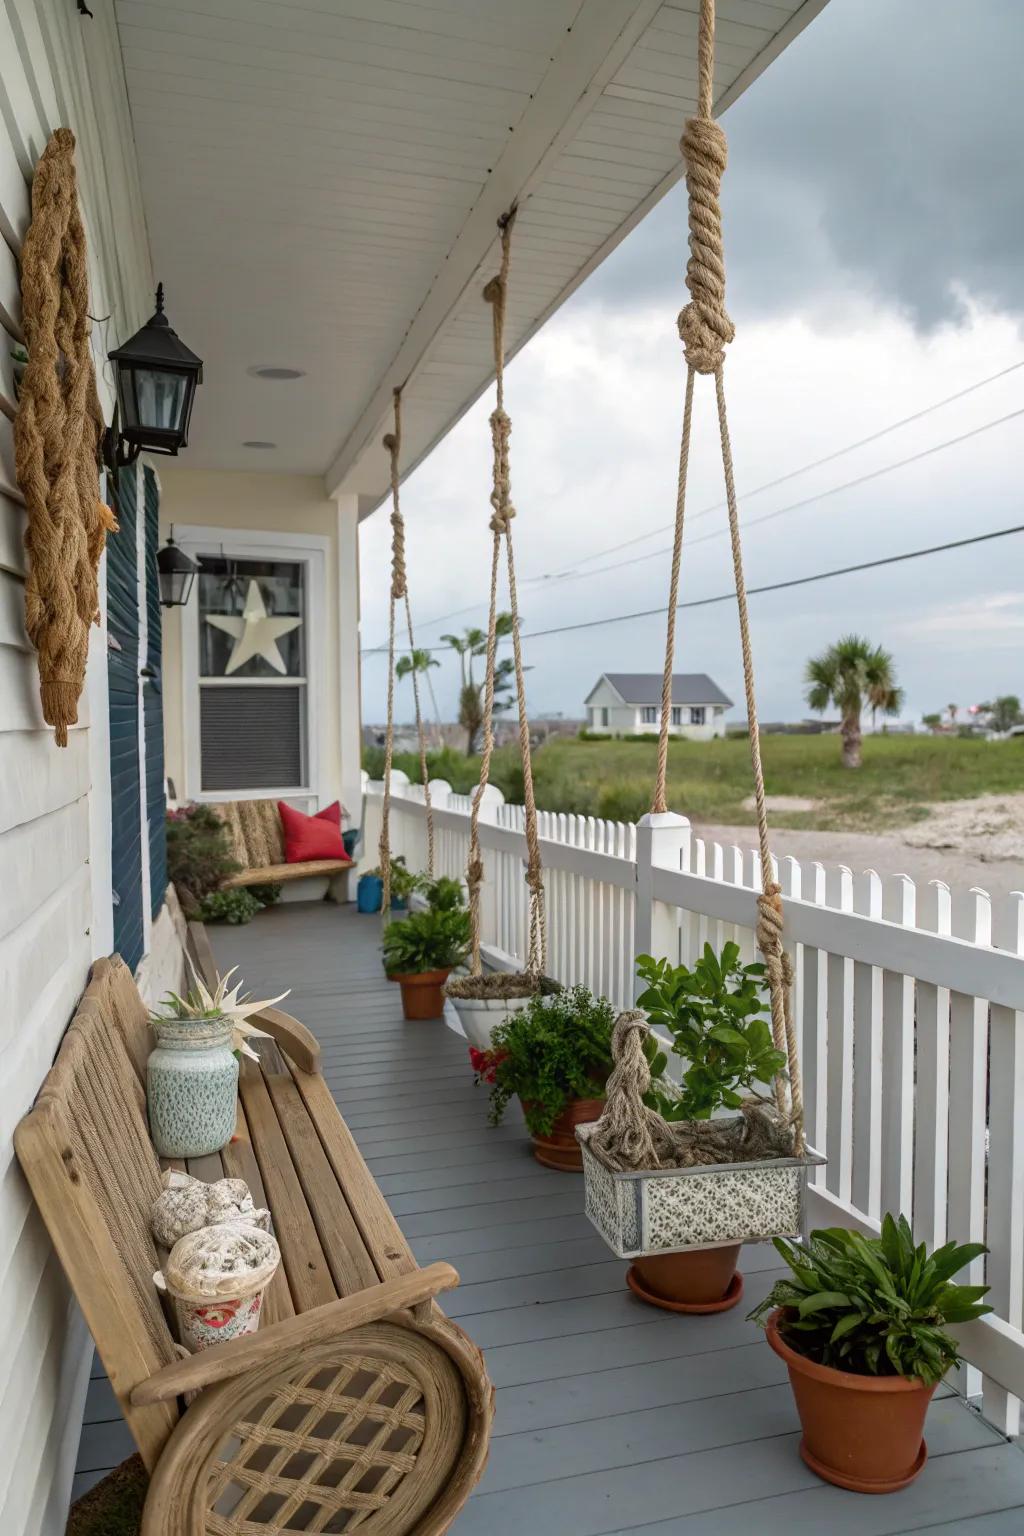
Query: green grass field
x,y
709,781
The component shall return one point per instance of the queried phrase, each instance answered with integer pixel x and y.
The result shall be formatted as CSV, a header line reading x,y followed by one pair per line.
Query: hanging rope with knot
x,y
400,594
632,1135
705,329
502,512
57,433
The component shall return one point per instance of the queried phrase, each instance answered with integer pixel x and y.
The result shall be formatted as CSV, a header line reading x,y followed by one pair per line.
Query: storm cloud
x,y
879,156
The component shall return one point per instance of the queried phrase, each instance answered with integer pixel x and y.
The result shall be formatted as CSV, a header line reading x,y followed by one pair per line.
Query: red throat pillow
x,y
312,837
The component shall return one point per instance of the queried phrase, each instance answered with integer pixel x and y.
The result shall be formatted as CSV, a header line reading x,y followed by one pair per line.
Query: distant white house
x,y
629,704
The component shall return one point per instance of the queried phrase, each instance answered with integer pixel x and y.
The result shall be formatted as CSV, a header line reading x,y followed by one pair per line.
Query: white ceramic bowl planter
x,y
499,996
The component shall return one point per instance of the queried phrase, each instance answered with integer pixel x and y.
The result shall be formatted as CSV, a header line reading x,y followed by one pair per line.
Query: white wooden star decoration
x,y
254,632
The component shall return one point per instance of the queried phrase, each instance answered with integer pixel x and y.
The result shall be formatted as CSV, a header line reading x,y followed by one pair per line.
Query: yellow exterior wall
x,y
261,503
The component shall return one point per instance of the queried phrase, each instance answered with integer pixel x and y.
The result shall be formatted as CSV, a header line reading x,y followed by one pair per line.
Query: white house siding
x,y
56,67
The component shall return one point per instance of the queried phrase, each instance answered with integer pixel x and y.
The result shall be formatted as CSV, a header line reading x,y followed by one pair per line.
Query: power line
x,y
774,586
792,474
807,501
574,575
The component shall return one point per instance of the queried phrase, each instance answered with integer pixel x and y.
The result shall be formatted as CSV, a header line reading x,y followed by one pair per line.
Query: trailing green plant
x,y
874,1306
199,853
426,941
236,905
714,1014
268,893
557,1048
444,894
403,880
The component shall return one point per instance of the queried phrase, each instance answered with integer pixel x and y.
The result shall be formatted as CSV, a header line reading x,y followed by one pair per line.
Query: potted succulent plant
x,y
861,1325
192,1074
421,952
555,1056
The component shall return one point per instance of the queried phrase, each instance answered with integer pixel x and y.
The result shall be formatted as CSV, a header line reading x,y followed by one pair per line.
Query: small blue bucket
x,y
369,893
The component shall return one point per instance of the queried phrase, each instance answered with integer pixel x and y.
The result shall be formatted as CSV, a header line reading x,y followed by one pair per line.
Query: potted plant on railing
x,y
421,952
713,1179
192,1074
861,1325
555,1056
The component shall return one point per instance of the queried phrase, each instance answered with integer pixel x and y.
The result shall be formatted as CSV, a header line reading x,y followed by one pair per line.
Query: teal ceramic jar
x,y
192,1087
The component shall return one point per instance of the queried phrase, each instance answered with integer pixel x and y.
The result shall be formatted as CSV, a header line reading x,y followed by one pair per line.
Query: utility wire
x,y
793,474
773,586
571,574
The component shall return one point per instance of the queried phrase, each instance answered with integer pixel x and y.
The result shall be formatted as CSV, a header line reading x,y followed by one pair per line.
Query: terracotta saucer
x,y
864,1484
695,1308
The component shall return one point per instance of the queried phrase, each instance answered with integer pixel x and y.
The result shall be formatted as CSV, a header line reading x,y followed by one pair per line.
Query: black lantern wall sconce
x,y
176,573
156,385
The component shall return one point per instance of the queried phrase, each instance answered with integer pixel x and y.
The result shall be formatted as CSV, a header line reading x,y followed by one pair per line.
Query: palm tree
x,y
847,676
471,705
420,662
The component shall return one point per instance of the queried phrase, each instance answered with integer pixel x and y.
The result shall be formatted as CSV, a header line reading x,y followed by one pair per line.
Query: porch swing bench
x,y
257,845
357,1403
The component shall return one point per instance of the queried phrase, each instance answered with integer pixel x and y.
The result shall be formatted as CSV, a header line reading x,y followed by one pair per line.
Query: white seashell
x,y
186,1204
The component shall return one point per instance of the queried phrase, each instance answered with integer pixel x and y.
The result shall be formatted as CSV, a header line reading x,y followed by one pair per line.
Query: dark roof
x,y
687,688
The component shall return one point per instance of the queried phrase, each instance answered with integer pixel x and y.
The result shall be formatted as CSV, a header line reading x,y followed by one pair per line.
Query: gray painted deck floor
x,y
611,1416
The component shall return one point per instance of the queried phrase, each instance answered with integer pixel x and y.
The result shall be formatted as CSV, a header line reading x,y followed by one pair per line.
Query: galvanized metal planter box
x,y
670,1209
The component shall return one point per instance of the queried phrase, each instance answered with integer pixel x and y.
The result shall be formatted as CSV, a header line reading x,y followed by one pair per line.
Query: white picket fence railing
x,y
910,1005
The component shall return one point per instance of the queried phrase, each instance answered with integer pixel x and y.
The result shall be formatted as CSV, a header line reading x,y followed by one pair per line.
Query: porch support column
x,y
350,715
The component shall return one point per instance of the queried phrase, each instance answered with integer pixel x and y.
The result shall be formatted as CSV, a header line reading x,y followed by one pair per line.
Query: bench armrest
x,y
237,1356
294,1038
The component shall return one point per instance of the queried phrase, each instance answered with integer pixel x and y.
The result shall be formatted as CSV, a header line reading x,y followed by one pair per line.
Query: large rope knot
x,y
704,325
770,924
501,496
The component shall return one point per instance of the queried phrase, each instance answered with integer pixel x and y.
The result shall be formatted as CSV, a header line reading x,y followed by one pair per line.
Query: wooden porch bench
x,y
257,844
357,1403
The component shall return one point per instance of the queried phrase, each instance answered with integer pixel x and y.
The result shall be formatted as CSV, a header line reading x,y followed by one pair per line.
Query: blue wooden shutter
x,y
123,683
152,703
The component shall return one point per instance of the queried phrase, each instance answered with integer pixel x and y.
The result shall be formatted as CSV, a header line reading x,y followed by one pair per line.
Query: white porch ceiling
x,y
322,180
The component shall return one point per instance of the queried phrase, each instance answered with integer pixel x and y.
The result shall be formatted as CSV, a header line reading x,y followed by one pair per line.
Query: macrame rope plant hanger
x,y
632,1137
399,594
503,985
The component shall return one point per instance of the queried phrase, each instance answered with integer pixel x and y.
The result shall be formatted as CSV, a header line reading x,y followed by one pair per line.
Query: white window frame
x,y
676,716
648,714
306,549
700,710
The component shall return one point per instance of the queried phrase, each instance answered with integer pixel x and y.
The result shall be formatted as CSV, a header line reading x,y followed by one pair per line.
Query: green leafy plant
x,y
557,1048
403,880
268,893
426,941
874,1306
714,1015
237,905
199,853
444,894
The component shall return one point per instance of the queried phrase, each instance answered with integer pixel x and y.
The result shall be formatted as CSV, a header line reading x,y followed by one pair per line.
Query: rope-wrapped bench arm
x,y
222,1361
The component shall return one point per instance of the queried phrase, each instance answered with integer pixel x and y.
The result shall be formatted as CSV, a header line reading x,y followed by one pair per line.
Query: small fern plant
x,y
874,1306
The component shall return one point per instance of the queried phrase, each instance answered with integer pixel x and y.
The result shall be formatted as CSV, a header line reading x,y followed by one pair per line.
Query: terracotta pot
x,y
860,1432
703,1280
422,997
560,1149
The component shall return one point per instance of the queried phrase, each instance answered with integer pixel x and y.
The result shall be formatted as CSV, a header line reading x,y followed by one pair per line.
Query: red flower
x,y
485,1064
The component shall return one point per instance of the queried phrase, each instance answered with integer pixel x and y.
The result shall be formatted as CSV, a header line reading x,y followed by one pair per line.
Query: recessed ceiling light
x,y
265,371
257,442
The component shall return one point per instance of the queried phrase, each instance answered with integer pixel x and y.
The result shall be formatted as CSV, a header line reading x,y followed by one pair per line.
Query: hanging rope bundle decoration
x,y
629,1135
400,594
503,985
57,433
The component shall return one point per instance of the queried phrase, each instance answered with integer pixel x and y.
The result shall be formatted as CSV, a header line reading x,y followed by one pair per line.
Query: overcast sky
x,y
874,226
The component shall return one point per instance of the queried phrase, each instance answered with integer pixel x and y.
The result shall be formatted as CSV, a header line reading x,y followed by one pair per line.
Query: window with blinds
x,y
253,693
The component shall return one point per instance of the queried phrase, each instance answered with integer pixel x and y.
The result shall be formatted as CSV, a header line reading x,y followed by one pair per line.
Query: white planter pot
x,y
479,1017
664,1211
